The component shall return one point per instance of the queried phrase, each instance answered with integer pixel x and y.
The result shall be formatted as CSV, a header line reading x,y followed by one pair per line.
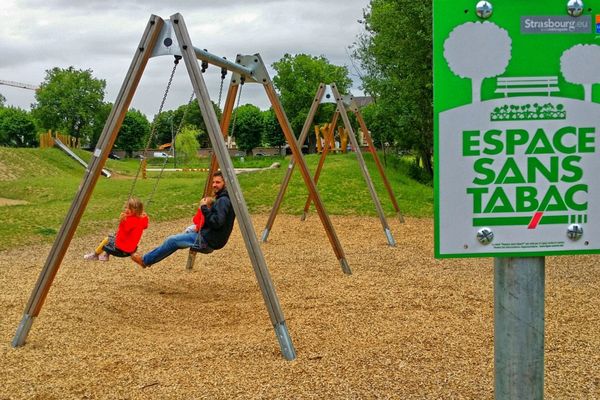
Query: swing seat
x,y
201,248
113,250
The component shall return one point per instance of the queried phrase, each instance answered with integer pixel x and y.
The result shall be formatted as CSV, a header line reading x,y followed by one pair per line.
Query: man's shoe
x,y
138,260
103,257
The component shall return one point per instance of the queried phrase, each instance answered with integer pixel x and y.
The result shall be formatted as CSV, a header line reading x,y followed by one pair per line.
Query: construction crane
x,y
19,85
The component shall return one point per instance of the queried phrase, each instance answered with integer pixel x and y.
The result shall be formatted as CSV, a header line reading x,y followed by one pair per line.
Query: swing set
x,y
330,94
171,37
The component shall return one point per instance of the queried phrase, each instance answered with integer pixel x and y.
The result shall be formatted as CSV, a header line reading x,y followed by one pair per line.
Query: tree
x,y
249,126
68,100
186,143
164,125
486,56
579,64
2,100
99,121
168,122
377,124
395,53
133,133
17,128
273,135
297,80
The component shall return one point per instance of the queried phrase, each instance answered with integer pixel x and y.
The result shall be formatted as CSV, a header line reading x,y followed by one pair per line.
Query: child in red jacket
x,y
198,220
124,243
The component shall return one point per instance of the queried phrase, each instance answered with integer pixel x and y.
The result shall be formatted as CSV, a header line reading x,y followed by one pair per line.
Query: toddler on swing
x,y
198,220
124,243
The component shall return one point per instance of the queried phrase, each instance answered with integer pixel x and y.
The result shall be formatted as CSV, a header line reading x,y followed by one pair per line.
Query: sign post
x,y
517,125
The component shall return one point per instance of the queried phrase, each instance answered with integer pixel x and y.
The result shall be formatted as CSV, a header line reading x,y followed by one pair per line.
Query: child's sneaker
x,y
91,257
103,257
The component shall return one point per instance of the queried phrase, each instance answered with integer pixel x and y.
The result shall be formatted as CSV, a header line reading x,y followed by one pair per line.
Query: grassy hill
x,y
44,182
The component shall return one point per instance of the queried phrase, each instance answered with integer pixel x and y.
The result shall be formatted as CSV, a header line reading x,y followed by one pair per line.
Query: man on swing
x,y
218,224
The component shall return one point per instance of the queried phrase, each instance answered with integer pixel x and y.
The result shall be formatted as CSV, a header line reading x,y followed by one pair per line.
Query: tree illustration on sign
x,y
477,50
580,64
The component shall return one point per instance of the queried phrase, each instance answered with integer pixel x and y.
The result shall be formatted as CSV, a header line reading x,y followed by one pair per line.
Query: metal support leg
x,y
285,342
190,261
82,197
22,330
363,166
235,192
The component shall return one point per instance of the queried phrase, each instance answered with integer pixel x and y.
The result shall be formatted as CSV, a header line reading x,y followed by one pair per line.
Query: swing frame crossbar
x,y
342,105
152,44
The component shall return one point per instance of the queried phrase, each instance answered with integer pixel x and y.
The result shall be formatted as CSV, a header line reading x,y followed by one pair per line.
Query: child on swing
x,y
198,220
124,243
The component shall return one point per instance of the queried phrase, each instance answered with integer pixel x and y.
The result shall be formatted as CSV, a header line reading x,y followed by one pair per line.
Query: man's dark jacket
x,y
218,221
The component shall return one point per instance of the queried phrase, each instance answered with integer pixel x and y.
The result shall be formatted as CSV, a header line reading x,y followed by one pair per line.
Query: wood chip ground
x,y
402,326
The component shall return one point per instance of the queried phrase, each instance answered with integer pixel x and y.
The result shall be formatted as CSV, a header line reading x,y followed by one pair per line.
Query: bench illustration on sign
x,y
518,159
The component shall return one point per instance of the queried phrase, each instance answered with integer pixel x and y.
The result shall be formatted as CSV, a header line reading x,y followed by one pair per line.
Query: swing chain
x,y
153,130
164,164
242,80
221,87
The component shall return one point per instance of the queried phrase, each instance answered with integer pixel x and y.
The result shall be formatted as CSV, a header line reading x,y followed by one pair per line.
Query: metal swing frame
x,y
157,40
330,93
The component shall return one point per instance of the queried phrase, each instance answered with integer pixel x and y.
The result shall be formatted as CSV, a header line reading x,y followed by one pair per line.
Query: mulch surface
x,y
402,326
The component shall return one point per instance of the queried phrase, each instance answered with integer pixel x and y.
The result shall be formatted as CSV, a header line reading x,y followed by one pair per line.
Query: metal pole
x,y
247,73
519,328
105,143
214,165
373,151
363,167
235,192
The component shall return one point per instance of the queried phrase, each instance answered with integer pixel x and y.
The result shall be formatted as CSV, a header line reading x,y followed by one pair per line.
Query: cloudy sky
x,y
102,35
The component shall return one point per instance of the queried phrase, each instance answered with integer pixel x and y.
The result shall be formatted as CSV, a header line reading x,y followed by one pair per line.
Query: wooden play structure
x,y
321,133
329,93
171,37
65,143
47,139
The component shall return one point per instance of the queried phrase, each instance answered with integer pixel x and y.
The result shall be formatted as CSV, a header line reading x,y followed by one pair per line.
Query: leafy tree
x,y
164,126
297,81
378,125
68,101
186,143
2,100
17,128
168,122
99,121
395,52
273,135
249,126
133,133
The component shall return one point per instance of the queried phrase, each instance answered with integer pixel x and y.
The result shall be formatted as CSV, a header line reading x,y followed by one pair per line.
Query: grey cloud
x,y
102,35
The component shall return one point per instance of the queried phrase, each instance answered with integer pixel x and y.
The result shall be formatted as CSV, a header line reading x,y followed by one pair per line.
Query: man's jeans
x,y
170,246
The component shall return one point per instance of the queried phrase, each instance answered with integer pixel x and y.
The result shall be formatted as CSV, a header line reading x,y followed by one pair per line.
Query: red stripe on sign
x,y
535,220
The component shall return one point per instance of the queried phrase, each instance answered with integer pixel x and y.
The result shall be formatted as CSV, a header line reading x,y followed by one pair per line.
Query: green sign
x,y
517,129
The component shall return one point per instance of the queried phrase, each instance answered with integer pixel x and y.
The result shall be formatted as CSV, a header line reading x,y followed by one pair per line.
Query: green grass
x,y
47,180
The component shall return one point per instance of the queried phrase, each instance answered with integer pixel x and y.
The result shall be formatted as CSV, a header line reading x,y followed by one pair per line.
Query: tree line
x,y
394,55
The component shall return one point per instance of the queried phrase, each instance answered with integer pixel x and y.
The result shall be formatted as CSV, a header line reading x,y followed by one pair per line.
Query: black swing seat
x,y
111,249
201,247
